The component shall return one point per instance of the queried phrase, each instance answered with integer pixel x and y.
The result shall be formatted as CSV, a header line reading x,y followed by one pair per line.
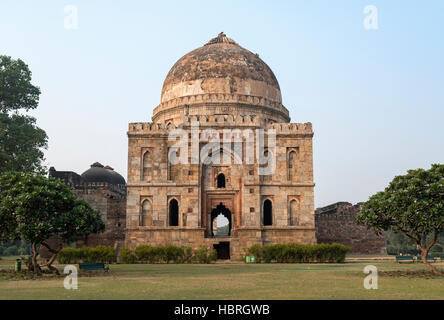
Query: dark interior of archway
x,y
223,250
220,209
174,213
268,216
221,181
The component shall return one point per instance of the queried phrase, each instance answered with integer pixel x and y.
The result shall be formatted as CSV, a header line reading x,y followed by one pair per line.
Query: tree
x,y
412,204
21,141
16,90
35,208
21,144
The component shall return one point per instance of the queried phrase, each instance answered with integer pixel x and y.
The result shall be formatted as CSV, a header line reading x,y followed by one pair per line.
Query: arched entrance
x,y
220,214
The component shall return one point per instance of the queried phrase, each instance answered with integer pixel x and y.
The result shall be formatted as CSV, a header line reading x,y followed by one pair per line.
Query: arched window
x,y
291,165
293,214
146,165
265,164
146,213
221,180
173,213
268,213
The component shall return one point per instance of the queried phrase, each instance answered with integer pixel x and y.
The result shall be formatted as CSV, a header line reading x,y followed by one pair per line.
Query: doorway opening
x,y
174,213
268,213
223,250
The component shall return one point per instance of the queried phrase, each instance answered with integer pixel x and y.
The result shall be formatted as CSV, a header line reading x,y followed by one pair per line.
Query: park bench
x,y
89,266
400,259
429,259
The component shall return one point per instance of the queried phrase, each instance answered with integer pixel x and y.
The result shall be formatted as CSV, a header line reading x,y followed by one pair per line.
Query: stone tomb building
x,y
219,86
105,190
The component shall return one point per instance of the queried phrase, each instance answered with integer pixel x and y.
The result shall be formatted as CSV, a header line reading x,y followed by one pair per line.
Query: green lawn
x,y
232,281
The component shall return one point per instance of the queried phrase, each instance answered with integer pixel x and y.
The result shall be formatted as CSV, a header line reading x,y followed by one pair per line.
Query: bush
x,y
174,254
187,255
67,256
145,254
83,254
102,254
86,254
205,255
127,256
299,253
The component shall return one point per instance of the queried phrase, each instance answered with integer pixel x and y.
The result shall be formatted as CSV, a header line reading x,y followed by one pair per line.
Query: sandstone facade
x,y
218,87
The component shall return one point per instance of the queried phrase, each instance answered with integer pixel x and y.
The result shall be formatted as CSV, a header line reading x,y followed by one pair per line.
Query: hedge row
x,y
86,254
299,253
167,254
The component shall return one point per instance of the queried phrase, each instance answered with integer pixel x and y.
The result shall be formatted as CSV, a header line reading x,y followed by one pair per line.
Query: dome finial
x,y
221,38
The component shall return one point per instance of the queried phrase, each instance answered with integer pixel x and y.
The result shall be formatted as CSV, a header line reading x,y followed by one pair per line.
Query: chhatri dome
x,y
220,74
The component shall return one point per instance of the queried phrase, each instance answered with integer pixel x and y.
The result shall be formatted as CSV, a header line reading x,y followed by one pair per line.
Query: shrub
x,y
299,253
127,256
160,254
86,254
187,255
174,254
257,251
205,255
83,254
164,254
145,254
102,254
67,256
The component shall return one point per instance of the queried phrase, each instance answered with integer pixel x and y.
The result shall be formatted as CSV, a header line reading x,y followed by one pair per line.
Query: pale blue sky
x,y
375,97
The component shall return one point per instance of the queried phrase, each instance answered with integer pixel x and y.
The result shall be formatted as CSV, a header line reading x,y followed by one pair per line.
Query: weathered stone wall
x,y
194,186
336,223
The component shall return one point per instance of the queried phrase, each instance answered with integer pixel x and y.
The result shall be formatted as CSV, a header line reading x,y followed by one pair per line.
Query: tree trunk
x,y
35,264
424,253
52,259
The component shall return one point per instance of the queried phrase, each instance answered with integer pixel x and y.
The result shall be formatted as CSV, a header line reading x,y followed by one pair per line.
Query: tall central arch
x,y
221,209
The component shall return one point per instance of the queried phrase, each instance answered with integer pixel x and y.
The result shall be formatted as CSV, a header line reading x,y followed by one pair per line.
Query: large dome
x,y
221,71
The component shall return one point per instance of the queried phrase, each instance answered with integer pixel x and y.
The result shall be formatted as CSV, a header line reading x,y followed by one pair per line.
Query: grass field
x,y
232,281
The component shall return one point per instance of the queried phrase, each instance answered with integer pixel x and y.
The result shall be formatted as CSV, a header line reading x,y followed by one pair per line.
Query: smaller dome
x,y
117,178
99,173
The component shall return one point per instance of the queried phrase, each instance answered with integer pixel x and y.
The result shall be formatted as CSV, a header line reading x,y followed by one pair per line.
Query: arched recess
x,y
146,214
220,180
268,212
147,165
173,213
291,165
293,213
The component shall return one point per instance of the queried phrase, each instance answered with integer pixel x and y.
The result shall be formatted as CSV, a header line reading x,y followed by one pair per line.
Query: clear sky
x,y
375,97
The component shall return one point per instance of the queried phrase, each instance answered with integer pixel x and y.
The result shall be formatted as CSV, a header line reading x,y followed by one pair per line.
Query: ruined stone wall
x,y
336,223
